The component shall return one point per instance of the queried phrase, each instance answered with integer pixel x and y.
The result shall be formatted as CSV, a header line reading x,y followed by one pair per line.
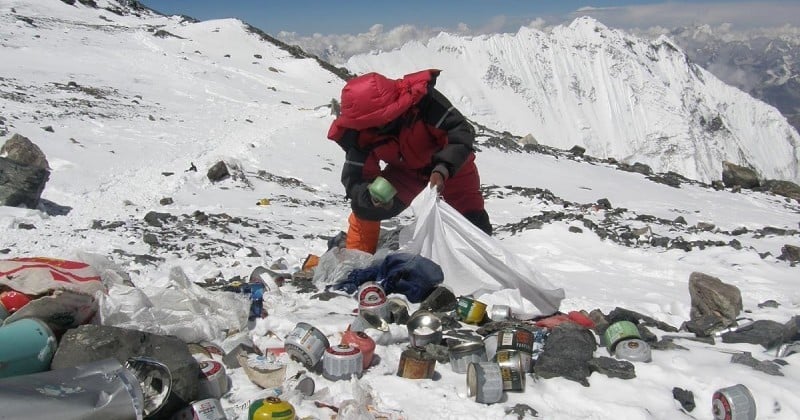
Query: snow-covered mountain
x,y
132,108
763,64
612,93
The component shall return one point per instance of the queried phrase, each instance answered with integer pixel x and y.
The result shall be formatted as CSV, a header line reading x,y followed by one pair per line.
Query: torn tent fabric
x,y
475,263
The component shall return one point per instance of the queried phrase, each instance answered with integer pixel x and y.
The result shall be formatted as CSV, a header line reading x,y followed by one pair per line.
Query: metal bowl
x,y
424,327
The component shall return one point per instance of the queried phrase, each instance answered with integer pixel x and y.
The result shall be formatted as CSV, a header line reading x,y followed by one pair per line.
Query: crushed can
x,y
271,408
26,346
94,391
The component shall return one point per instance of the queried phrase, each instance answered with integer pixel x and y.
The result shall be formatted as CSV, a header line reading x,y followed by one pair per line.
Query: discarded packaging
x,y
263,371
207,409
95,391
26,346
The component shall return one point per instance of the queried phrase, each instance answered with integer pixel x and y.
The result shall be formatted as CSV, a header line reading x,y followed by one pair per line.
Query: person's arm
x,y
358,162
447,124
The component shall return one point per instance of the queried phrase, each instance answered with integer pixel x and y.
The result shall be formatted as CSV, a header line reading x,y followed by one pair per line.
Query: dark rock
x,y
156,219
26,226
575,229
637,167
784,188
705,226
686,398
19,149
150,239
766,366
398,312
600,321
21,184
767,333
791,330
567,353
89,343
769,304
735,244
439,352
717,185
577,150
326,296
622,314
790,253
646,335
667,344
735,175
218,172
522,411
706,325
739,231
710,296
604,203
679,220
49,129
613,368
166,201
441,299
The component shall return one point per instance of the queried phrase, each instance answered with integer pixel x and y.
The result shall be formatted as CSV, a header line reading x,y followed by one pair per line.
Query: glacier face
x,y
610,92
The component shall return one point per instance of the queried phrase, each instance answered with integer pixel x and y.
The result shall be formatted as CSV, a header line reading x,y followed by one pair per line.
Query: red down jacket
x,y
414,130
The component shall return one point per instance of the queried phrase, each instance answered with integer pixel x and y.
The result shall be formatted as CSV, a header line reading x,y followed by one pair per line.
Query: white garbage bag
x,y
475,263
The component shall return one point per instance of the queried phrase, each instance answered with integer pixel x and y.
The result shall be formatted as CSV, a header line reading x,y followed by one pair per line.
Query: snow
x,y
111,162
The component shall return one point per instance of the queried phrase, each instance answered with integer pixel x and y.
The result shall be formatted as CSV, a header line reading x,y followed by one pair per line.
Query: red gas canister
x,y
364,343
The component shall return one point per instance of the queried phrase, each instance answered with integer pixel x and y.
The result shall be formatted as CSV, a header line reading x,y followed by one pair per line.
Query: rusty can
x,y
271,408
512,369
470,310
416,363
342,361
463,353
213,380
364,342
306,344
485,382
206,409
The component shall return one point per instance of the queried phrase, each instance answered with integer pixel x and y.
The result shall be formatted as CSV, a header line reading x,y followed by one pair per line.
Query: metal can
x,y
213,380
733,403
463,353
300,382
424,327
518,340
372,299
485,382
470,310
512,370
416,363
206,409
364,343
342,362
271,408
306,344
635,350
500,313
617,332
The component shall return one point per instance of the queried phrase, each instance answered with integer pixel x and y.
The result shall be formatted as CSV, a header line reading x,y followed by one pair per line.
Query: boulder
x,y
735,175
685,397
785,188
790,253
88,343
21,184
218,172
567,353
19,149
767,333
613,368
710,296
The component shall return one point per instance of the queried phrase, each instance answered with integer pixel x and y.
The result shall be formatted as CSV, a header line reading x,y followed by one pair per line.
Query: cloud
x,y
742,15
731,19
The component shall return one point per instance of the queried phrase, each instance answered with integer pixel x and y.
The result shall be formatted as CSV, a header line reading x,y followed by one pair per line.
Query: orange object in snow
x,y
14,300
573,316
310,262
363,234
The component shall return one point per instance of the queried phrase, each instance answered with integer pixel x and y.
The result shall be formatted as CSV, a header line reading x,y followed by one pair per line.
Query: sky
x,y
481,16
118,146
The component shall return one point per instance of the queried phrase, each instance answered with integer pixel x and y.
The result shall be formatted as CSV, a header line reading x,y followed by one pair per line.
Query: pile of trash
x,y
80,341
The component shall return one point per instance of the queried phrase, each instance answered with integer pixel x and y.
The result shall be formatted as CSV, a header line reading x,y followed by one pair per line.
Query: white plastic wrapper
x,y
335,264
180,308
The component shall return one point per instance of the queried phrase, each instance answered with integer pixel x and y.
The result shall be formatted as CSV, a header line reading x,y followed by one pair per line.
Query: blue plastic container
x,y
26,346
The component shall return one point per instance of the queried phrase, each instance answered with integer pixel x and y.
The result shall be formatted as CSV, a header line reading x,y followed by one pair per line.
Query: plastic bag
x,y
336,263
475,263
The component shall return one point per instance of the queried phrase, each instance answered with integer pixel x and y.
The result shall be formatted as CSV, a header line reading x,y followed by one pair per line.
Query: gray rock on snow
x,y
89,343
567,353
710,296
735,175
767,333
766,366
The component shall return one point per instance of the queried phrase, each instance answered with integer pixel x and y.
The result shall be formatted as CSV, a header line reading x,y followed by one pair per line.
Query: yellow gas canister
x,y
271,408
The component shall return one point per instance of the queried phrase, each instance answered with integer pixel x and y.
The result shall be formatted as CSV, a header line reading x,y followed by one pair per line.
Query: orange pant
x,y
363,234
